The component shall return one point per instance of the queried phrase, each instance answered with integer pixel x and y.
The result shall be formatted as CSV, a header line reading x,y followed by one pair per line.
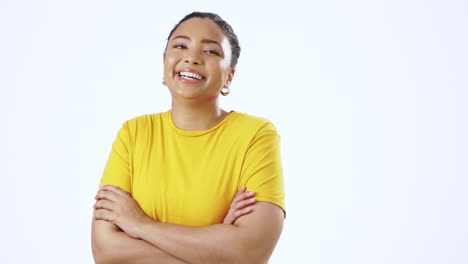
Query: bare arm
x,y
110,245
251,240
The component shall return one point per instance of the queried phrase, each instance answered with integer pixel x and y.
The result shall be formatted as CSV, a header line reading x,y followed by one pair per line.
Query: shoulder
x,y
145,121
253,123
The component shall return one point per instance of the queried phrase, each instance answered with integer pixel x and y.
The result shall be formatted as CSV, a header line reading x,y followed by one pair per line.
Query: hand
x,y
240,205
118,207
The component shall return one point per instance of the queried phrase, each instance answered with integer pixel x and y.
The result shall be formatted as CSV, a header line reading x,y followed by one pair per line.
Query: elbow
x,y
247,255
247,260
103,252
254,257
101,255
100,260
247,250
102,243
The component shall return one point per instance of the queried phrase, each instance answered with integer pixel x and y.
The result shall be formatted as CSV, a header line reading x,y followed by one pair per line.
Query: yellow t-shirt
x,y
190,177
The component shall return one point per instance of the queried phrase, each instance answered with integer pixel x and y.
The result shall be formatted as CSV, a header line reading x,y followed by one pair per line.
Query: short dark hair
x,y
228,31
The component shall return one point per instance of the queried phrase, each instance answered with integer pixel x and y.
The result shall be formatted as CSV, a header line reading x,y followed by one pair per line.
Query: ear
x,y
231,75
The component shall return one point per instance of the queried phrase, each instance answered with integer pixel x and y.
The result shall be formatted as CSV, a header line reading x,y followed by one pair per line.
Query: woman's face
x,y
197,62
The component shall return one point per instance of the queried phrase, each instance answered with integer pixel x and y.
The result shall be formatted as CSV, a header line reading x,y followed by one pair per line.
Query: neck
x,y
195,116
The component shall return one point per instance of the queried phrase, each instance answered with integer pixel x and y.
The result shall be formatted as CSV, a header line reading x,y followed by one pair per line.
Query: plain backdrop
x,y
370,98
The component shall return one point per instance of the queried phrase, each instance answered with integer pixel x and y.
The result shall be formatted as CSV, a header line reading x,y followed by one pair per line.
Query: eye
x,y
179,46
212,52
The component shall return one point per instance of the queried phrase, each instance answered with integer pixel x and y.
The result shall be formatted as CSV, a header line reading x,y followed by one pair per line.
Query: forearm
x,y
112,246
251,239
210,244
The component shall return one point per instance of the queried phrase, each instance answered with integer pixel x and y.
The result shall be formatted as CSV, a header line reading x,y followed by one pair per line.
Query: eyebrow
x,y
203,41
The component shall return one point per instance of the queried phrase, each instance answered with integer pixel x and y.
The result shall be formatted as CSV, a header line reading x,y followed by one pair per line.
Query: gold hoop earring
x,y
225,91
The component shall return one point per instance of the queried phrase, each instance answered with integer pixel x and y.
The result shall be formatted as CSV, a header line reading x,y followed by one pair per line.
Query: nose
x,y
192,58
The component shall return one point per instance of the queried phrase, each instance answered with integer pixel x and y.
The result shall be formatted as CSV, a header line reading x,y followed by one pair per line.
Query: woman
x,y
166,191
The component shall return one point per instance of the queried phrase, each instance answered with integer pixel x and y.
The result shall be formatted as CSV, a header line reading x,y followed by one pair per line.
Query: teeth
x,y
191,75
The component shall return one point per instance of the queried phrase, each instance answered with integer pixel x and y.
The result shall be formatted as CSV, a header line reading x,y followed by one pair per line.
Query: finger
x,y
228,220
248,195
233,214
244,203
103,214
238,194
115,189
104,204
242,212
241,190
108,195
242,196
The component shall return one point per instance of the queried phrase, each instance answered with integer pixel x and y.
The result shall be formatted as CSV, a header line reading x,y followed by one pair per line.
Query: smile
x,y
190,75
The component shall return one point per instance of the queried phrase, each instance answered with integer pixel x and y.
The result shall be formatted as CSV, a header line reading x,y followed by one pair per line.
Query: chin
x,y
184,93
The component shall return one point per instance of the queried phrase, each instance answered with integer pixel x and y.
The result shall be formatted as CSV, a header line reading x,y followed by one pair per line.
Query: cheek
x,y
217,74
224,70
169,63
168,60
171,57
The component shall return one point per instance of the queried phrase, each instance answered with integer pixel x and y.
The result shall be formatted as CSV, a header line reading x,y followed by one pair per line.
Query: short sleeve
x,y
118,170
262,170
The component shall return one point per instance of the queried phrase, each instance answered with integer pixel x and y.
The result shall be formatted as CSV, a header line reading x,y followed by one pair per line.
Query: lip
x,y
190,81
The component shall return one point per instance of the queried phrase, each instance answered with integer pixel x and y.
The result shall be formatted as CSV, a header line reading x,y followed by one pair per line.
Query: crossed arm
x,y
123,233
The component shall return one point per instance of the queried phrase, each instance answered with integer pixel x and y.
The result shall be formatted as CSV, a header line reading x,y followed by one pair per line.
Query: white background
x,y
370,98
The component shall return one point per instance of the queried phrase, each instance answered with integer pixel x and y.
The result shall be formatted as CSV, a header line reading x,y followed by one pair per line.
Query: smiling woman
x,y
174,189
206,56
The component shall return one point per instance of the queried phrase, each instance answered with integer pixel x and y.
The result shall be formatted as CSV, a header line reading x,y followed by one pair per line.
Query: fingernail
x,y
251,192
252,200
